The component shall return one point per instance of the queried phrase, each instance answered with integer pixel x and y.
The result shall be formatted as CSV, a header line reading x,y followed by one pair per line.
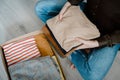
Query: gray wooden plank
x,y
68,72
17,17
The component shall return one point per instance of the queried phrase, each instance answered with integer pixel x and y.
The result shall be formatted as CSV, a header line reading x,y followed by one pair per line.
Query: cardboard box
x,y
4,66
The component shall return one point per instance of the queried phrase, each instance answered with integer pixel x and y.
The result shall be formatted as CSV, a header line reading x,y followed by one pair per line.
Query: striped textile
x,y
21,50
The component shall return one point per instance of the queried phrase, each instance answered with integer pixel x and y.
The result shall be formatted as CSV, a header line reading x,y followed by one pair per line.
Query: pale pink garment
x,y
74,24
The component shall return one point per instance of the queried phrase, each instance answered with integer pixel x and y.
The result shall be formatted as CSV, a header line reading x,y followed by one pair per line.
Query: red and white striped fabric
x,y
21,50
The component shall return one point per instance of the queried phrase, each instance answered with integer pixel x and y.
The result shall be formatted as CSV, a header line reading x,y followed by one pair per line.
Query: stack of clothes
x,y
31,58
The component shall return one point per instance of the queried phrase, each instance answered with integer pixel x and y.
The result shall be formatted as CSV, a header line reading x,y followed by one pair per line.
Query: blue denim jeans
x,y
46,9
97,63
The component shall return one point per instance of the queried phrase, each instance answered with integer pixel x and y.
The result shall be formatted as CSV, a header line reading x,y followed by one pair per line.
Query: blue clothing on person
x,y
97,63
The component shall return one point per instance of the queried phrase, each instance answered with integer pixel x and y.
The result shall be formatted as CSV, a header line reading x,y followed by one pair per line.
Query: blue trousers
x,y
92,66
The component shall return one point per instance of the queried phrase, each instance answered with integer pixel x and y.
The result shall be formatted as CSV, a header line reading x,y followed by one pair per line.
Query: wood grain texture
x,y
17,17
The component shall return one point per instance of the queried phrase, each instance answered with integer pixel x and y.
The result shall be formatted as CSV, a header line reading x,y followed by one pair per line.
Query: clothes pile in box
x,y
31,58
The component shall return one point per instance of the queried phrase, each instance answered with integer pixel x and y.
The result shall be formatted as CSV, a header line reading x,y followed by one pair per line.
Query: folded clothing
x,y
21,50
74,24
42,68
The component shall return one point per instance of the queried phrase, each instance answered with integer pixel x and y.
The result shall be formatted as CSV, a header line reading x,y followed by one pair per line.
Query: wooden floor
x,y
17,17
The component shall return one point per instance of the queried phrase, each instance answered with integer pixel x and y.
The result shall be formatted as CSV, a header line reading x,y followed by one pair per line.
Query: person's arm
x,y
106,40
74,2
109,39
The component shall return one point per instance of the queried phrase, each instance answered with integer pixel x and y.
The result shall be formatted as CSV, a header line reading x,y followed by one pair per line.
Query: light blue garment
x,y
91,67
95,65
46,9
42,68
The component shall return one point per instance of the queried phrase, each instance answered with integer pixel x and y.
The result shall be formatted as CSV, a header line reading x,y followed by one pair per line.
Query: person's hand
x,y
63,10
87,43
60,16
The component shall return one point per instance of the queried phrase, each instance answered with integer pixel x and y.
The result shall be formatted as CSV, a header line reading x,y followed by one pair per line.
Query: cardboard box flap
x,y
4,74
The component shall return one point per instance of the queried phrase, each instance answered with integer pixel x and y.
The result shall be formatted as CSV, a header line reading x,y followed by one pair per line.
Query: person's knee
x,y
44,8
39,7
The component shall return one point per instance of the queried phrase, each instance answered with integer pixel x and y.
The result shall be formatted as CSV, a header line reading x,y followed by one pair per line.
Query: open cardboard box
x,y
35,33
